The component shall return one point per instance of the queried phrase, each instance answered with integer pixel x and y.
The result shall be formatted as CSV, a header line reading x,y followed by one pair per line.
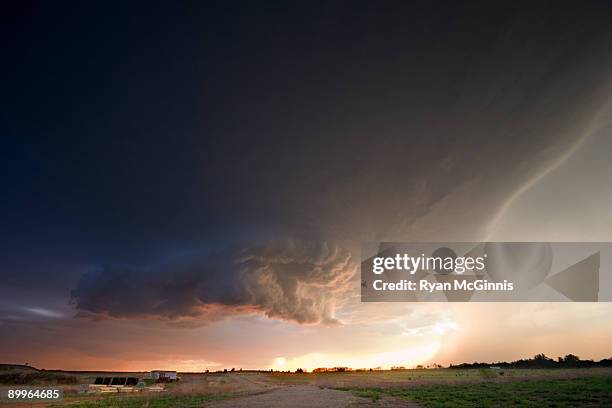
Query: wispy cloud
x,y
43,312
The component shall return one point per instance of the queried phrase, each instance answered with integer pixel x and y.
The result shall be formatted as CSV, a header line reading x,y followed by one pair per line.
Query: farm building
x,y
164,375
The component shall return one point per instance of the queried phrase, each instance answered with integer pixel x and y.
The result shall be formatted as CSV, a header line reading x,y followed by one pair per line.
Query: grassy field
x,y
588,387
149,401
424,377
575,392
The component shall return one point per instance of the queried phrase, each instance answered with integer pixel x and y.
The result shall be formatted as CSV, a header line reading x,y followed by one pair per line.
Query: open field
x,y
574,392
403,388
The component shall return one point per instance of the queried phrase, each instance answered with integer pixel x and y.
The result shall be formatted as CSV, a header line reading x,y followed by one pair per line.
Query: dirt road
x,y
306,396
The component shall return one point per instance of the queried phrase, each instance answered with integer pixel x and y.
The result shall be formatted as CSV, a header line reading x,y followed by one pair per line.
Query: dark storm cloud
x,y
141,135
291,280
411,123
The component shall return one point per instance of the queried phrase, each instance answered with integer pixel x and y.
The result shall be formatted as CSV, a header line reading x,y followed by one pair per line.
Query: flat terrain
x,y
406,388
576,392
308,396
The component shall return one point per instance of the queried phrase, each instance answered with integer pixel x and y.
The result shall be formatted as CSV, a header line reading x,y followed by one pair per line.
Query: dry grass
x,y
413,378
196,388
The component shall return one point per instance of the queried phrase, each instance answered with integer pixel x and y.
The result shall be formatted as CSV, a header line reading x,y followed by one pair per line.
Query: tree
x,y
571,359
541,357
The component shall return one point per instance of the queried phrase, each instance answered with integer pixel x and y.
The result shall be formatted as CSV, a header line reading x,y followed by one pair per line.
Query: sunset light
x,y
269,204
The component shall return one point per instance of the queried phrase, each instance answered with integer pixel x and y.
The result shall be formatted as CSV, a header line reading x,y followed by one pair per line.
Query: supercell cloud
x,y
266,133
426,141
293,281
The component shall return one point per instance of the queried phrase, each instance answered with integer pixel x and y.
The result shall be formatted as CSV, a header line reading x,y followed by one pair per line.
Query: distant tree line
x,y
36,377
542,361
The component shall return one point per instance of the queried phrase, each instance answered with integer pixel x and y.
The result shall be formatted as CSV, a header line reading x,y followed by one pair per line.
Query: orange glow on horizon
x,y
407,358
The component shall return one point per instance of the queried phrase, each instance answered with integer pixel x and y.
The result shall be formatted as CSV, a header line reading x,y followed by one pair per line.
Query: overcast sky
x,y
187,186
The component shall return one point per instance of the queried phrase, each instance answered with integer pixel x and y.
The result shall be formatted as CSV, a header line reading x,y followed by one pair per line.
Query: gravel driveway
x,y
306,396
